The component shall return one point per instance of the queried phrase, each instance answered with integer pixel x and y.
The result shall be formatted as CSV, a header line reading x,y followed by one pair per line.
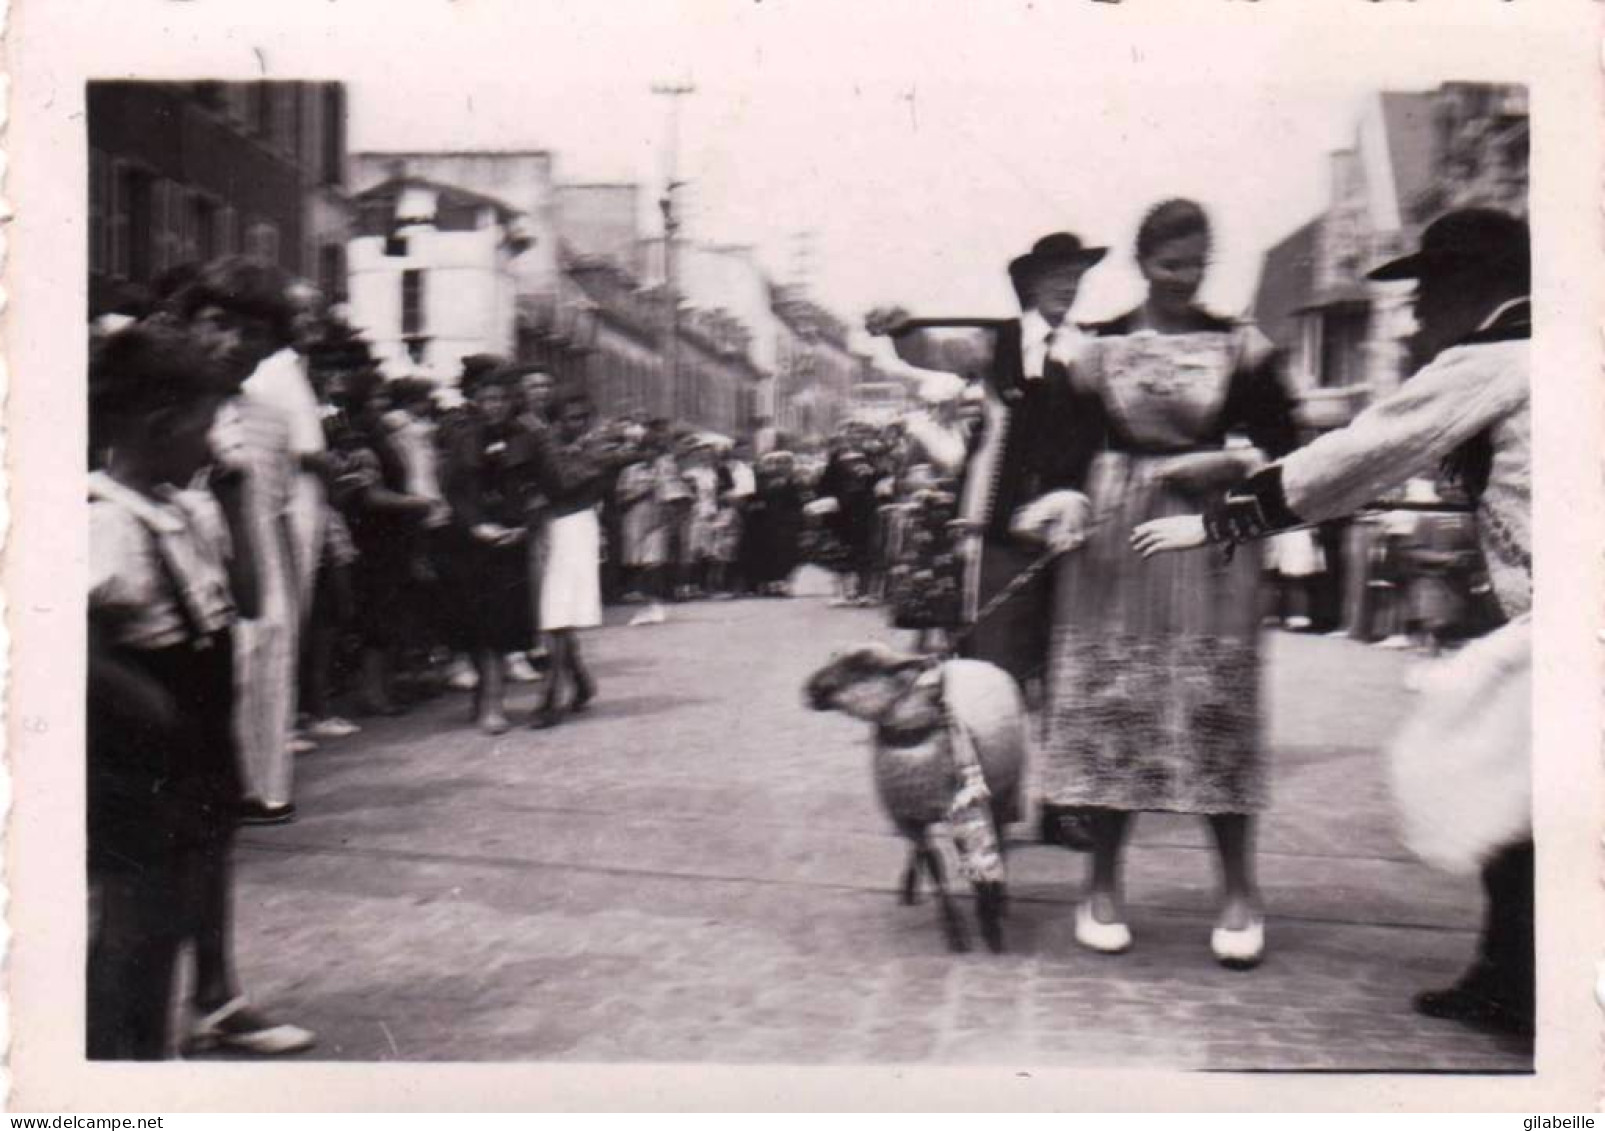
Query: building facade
x,y
815,367
183,172
521,179
1415,156
433,276
604,335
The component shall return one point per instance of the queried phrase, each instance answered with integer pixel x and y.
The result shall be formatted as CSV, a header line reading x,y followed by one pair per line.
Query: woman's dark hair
x,y
359,388
409,391
1169,220
244,286
481,368
144,368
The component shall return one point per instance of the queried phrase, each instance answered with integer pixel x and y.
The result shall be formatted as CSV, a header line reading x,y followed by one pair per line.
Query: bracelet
x,y
1254,509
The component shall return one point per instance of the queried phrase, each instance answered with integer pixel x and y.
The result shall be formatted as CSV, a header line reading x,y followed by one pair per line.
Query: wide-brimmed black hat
x,y
1482,239
1060,249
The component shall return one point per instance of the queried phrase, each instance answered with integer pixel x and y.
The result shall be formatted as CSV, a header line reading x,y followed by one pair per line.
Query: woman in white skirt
x,y
573,479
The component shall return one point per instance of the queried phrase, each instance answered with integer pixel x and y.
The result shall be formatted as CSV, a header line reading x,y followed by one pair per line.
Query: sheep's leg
x,y
958,939
989,905
1003,854
908,888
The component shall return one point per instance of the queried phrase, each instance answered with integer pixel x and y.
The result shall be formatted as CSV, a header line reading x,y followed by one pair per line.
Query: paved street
x,y
698,871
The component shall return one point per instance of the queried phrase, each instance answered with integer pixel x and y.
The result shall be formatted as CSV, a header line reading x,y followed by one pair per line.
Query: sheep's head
x,y
865,682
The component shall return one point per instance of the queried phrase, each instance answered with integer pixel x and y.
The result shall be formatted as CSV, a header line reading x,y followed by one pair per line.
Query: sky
x,y
921,153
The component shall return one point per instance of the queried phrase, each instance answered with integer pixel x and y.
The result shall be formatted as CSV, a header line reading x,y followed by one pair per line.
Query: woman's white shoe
x,y
1239,949
1105,938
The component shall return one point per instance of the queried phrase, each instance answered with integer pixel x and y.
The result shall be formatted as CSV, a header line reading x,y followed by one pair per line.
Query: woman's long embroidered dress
x,y
1154,666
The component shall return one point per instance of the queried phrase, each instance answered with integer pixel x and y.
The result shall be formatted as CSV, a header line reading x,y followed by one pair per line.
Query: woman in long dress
x,y
1461,768
775,523
1153,681
488,472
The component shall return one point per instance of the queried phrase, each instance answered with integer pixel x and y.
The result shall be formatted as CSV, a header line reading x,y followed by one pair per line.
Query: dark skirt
x,y
387,606
490,587
155,793
773,538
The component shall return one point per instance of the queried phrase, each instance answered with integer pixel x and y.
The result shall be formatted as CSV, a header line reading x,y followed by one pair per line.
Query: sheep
x,y
910,700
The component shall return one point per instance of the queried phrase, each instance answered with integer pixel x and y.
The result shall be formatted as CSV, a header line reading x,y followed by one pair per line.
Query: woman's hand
x,y
1167,535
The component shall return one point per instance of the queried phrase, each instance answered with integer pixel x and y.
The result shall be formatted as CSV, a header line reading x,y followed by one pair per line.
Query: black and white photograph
x,y
762,539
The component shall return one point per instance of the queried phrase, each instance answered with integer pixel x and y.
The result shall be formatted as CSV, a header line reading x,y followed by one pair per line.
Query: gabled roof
x,y
1287,283
1407,119
449,197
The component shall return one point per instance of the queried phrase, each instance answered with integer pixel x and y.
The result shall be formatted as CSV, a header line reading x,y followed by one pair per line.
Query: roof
x,y
1407,119
1287,283
449,196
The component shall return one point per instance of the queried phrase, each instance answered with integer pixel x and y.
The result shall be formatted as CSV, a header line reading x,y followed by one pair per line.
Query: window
x,y
200,238
130,237
99,206
228,231
167,226
332,271
412,303
1343,335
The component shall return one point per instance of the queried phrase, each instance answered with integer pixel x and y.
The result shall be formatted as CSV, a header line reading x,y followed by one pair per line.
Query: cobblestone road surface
x,y
697,871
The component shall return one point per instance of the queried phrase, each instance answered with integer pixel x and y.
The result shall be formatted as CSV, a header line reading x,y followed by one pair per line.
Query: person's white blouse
x,y
1465,391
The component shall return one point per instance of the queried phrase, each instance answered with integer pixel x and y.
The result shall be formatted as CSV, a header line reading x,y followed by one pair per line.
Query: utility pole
x,y
803,255
671,227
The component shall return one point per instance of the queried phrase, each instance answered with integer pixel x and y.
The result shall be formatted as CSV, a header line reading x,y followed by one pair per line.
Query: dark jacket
x,y
1053,431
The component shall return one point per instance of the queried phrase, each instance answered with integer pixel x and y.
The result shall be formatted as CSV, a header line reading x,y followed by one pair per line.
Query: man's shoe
x,y
333,727
237,1026
1470,1005
256,813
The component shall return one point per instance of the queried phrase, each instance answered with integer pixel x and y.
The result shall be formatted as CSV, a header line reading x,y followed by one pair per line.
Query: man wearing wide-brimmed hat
x,y
1031,444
